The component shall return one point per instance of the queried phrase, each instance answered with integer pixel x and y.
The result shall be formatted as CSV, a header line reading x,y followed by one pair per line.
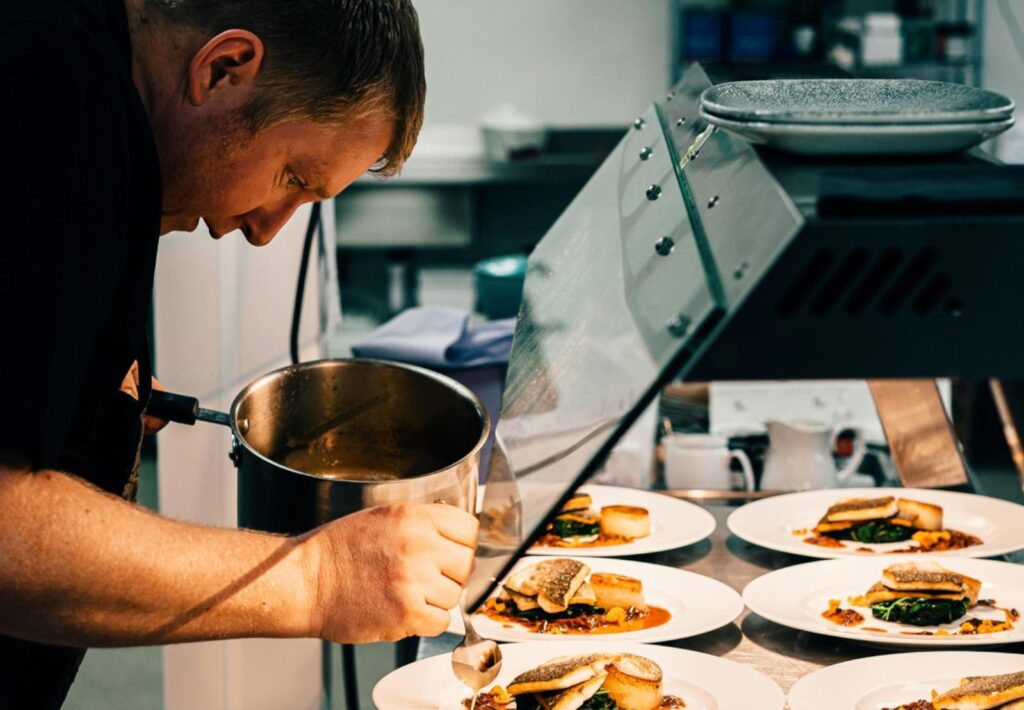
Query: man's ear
x,y
231,59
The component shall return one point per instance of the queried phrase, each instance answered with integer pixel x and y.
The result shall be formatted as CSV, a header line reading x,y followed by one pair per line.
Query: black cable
x,y
348,651
300,289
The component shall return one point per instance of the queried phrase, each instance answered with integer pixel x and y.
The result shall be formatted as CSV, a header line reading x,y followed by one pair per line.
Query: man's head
x,y
258,106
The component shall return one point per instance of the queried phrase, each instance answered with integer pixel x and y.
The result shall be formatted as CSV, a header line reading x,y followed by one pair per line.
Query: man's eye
x,y
294,181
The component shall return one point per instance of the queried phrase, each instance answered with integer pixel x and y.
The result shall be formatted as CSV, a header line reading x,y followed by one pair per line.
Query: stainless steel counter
x,y
780,653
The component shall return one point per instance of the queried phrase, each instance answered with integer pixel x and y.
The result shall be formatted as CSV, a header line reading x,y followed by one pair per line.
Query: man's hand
x,y
130,386
390,572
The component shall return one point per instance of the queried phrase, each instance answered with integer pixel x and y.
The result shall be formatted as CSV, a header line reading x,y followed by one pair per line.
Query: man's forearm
x,y
80,567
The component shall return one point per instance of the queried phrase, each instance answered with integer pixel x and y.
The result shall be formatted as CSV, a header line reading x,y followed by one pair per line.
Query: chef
x,y
123,120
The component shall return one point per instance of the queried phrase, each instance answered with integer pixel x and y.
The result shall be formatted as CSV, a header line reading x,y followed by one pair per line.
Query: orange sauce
x,y
823,541
552,540
843,617
874,630
584,624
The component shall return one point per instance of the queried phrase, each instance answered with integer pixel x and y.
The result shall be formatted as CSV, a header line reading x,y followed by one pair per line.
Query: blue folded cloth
x,y
438,337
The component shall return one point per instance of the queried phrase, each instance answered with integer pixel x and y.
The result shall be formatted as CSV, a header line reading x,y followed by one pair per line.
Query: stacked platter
x,y
858,116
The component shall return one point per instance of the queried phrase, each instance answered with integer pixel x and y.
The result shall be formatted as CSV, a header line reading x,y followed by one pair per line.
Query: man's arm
x,y
81,567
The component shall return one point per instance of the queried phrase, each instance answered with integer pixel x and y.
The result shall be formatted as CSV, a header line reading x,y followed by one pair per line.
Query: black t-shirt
x,y
79,224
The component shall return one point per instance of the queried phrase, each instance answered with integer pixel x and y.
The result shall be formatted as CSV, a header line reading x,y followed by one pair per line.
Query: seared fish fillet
x,y
523,602
983,692
560,673
922,577
576,696
859,509
579,501
880,593
530,580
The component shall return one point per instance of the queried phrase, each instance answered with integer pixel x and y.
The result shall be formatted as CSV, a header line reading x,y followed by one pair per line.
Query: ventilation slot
x,y
840,282
874,282
933,292
909,280
806,282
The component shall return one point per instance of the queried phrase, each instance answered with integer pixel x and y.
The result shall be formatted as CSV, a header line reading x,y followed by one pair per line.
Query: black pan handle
x,y
178,408
182,409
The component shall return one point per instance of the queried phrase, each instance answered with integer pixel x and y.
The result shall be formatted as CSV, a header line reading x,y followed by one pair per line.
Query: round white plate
x,y
863,138
770,522
698,604
888,681
674,523
854,101
704,682
796,596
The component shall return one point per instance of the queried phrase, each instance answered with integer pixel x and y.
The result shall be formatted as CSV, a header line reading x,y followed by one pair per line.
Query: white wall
x,y
1003,71
566,62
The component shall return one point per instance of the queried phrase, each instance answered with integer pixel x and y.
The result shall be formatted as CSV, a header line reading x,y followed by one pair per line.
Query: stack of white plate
x,y
858,116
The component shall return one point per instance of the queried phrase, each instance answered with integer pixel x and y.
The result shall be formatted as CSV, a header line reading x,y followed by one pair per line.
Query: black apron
x,y
44,672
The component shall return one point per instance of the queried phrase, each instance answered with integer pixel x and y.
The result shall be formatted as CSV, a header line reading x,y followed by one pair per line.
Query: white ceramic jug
x,y
702,461
800,457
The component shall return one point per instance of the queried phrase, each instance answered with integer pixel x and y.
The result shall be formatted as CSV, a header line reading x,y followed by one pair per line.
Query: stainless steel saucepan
x,y
316,441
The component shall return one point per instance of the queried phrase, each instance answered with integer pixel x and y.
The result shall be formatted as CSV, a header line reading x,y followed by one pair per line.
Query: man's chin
x,y
178,223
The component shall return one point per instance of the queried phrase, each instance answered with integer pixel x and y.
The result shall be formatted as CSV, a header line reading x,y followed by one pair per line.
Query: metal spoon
x,y
476,661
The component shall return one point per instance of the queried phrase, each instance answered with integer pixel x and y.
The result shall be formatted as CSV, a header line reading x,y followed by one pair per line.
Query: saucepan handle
x,y
183,409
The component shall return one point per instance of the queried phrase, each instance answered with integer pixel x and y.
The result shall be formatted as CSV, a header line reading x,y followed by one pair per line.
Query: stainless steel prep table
x,y
784,655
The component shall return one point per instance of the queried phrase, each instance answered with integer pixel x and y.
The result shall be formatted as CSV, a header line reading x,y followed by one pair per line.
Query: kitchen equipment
x,y
319,440
800,457
871,101
476,661
693,255
703,461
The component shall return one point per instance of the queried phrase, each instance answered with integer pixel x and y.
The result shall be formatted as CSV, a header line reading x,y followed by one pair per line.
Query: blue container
x,y
753,36
702,36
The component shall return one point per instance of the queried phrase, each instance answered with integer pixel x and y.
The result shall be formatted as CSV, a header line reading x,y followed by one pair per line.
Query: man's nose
x,y
262,227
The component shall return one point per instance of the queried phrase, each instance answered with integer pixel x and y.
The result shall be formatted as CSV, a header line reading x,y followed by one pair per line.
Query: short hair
x,y
326,60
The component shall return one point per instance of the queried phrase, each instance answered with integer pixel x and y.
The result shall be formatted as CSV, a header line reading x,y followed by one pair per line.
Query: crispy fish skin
x,y
560,673
861,509
559,588
983,692
530,580
921,576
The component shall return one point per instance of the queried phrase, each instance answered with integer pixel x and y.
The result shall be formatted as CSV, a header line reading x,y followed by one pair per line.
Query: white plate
x,y
770,522
863,138
796,596
674,523
854,101
704,682
887,681
698,604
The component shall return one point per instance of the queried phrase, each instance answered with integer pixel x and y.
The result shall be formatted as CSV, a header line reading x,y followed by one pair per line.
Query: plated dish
x,y
581,598
626,521
786,522
702,681
901,602
590,681
859,522
959,680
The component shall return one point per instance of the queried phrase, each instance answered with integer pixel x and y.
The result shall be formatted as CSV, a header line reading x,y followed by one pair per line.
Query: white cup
x,y
701,461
